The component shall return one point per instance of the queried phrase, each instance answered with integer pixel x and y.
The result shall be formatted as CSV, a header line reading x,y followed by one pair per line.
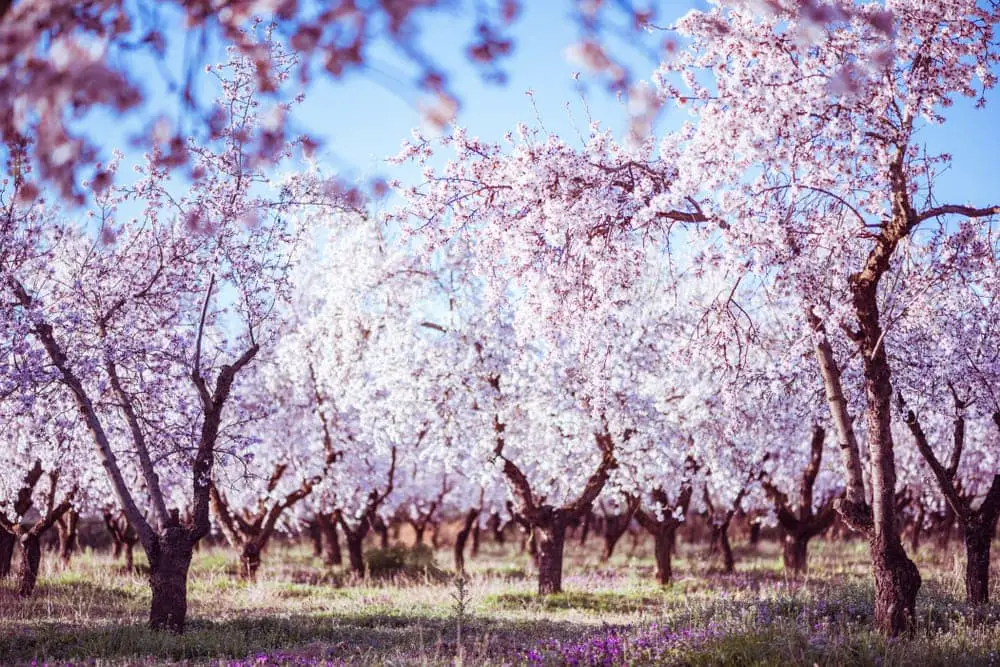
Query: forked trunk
x,y
31,558
551,539
418,533
168,571
977,564
7,542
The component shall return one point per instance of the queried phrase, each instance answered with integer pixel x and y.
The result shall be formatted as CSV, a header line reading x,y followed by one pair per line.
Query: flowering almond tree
x,y
148,326
810,151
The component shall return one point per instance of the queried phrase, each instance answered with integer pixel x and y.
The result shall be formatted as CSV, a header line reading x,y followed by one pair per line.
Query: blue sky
x,y
362,118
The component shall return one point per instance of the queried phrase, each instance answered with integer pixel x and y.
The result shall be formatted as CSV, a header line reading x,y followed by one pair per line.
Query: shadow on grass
x,y
384,635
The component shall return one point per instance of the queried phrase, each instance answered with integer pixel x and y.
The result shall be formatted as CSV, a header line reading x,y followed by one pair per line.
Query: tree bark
x,y
551,538
7,542
168,571
978,540
31,557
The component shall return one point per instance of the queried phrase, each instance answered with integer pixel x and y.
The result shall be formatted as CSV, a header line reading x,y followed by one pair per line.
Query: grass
x,y
302,613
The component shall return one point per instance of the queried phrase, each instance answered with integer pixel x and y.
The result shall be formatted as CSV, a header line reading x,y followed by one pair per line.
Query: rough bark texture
x,y
168,570
551,539
31,558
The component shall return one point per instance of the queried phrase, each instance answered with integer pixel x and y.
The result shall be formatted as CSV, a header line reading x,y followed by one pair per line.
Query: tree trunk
x,y
31,558
355,553
585,529
612,533
475,540
462,537
795,554
130,556
918,525
551,538
720,544
250,560
977,564
497,526
7,542
331,539
663,547
382,531
315,537
67,528
168,571
754,533
896,584
418,533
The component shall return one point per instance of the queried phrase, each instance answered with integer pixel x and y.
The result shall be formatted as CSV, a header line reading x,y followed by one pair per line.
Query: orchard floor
x,y
301,613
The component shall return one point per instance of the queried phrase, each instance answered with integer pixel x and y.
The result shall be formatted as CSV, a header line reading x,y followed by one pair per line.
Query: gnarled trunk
x,y
31,558
168,571
551,538
7,542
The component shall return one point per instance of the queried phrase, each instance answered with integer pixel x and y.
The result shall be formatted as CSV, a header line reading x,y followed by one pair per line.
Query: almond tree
x,y
148,323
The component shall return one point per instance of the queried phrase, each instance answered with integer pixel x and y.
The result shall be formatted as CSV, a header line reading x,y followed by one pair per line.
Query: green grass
x,y
301,612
